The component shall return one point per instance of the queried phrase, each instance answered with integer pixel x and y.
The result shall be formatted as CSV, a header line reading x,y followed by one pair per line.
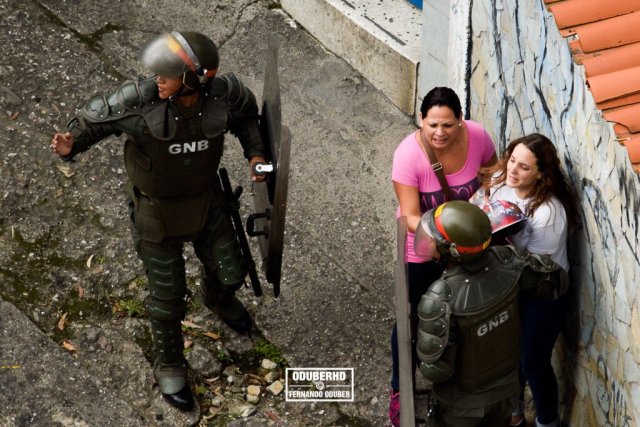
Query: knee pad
x,y
166,277
230,265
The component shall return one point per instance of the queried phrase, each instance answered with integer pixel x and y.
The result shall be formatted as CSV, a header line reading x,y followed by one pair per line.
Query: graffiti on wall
x,y
602,218
612,398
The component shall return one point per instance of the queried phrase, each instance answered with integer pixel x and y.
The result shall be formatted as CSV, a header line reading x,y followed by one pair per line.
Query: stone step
x,y
381,39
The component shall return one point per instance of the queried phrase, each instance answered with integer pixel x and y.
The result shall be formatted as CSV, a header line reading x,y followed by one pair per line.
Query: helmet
x,y
506,217
460,230
193,55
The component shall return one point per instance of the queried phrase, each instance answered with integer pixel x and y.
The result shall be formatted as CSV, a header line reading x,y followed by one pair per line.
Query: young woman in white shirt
x,y
529,174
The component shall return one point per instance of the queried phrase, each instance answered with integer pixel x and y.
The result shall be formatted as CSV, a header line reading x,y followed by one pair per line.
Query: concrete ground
x,y
336,307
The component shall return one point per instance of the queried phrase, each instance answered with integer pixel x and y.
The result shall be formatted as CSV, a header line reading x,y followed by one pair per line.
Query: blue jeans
x,y
541,323
420,277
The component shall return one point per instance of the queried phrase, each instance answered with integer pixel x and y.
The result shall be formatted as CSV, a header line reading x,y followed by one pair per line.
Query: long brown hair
x,y
553,181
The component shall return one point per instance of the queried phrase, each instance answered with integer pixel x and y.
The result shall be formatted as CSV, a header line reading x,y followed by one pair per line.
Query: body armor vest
x,y
175,167
181,164
173,153
171,158
169,155
486,322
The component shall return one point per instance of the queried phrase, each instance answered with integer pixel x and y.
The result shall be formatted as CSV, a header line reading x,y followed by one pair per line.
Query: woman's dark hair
x,y
553,181
441,97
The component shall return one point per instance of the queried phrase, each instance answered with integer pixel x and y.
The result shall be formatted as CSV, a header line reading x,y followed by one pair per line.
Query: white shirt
x,y
545,231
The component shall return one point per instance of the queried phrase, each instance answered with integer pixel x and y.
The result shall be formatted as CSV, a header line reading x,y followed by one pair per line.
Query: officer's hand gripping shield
x,y
267,223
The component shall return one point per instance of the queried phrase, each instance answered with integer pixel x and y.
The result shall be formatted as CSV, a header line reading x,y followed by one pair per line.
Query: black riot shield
x,y
270,197
403,325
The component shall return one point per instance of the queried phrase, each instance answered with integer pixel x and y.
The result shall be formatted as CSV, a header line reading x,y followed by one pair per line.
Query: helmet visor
x,y
424,244
165,56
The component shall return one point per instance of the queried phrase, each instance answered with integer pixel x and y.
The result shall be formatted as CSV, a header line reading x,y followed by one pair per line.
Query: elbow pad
x,y
129,98
437,372
434,314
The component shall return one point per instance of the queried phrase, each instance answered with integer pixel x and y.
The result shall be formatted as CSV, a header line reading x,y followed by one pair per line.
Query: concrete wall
x,y
380,40
523,80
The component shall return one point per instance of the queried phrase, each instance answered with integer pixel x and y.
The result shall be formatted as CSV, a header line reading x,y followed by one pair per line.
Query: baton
x,y
234,197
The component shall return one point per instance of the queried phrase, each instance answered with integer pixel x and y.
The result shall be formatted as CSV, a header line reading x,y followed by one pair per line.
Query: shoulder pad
x,y
130,97
229,88
538,263
149,90
433,303
134,94
225,86
217,87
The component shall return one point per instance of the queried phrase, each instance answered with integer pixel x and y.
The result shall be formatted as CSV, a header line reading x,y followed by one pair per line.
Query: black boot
x,y
233,313
221,299
183,399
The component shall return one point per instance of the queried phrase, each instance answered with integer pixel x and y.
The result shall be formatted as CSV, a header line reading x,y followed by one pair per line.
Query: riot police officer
x,y
468,337
175,124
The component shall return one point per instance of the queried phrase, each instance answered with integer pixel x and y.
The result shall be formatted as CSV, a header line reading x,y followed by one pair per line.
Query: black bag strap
x,y
437,168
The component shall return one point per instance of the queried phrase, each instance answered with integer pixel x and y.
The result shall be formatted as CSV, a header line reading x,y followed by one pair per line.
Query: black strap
x,y
437,168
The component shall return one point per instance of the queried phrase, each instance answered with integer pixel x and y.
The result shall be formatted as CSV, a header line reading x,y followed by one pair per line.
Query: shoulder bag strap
x,y
437,168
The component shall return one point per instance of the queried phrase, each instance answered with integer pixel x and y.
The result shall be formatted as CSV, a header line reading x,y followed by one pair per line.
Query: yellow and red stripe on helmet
x,y
175,47
437,220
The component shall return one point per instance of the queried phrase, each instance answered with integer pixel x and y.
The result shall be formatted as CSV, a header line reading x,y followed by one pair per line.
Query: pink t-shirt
x,y
412,167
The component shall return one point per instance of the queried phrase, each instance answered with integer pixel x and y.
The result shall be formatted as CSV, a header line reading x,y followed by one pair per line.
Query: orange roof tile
x,y
618,84
633,148
628,117
604,34
620,102
606,41
570,13
609,60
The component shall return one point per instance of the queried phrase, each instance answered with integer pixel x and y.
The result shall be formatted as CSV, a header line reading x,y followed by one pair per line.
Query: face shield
x,y
169,55
424,244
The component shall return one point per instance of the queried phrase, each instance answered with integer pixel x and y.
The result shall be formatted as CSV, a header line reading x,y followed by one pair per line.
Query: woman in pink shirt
x,y
462,147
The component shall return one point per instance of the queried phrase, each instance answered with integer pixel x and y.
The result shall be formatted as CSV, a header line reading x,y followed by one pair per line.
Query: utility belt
x,y
180,218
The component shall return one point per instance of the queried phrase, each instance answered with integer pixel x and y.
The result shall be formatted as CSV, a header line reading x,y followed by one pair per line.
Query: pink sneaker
x,y
394,408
